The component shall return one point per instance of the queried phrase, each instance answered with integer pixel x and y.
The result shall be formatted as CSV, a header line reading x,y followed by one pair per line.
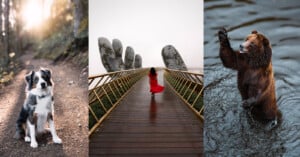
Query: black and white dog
x,y
37,108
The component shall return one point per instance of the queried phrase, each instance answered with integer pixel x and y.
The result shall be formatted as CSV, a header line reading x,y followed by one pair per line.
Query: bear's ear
x,y
266,42
254,32
267,50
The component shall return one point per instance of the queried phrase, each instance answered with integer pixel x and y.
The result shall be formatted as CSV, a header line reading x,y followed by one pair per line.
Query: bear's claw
x,y
223,30
222,34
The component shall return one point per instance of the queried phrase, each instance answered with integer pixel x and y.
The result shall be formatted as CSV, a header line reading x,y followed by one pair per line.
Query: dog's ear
x,y
46,71
29,77
29,80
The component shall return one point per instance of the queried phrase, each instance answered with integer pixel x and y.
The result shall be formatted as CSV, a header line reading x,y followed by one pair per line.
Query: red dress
x,y
154,86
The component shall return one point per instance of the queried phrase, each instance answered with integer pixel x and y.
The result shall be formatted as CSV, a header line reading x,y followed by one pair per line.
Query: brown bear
x,y
255,75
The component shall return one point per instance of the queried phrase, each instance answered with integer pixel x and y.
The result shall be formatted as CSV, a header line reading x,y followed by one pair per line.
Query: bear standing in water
x,y
255,75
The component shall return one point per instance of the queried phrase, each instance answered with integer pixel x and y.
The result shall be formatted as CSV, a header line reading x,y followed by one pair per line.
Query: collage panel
x,y
43,78
145,78
131,78
251,79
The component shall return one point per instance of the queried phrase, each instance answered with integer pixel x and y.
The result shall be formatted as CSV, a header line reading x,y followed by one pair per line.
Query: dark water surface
x,y
228,131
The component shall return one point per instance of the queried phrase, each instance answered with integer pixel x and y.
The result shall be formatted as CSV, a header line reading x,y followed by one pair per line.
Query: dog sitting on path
x,y
37,108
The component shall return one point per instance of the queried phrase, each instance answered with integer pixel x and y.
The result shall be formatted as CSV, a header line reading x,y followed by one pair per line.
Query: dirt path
x,y
71,114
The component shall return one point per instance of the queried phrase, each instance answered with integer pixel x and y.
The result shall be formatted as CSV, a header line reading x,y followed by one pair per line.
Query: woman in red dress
x,y
154,86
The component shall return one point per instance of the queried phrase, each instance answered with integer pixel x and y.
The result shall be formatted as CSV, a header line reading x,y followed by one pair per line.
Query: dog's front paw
x,y
27,139
33,144
57,140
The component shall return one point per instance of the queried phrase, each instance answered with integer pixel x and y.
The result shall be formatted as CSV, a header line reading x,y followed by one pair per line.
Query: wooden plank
x,y
147,140
143,144
147,155
141,151
149,129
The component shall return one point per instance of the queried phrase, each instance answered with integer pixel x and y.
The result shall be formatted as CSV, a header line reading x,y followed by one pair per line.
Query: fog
x,y
147,26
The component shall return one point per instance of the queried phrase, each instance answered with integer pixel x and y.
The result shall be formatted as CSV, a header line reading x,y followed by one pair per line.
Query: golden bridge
x,y
125,120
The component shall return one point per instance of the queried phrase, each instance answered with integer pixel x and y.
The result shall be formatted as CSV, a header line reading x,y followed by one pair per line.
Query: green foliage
x,y
55,44
83,30
62,45
58,42
99,110
199,103
187,93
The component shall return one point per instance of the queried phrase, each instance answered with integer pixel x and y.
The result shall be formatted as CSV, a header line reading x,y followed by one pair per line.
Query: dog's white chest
x,y
43,105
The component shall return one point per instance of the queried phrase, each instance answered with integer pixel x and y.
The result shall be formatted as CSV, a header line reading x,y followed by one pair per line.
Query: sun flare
x,y
35,12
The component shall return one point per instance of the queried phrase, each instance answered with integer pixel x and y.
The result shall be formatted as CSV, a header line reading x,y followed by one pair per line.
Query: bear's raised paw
x,y
222,34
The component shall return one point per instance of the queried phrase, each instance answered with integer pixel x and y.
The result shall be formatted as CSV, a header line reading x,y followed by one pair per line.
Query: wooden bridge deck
x,y
143,125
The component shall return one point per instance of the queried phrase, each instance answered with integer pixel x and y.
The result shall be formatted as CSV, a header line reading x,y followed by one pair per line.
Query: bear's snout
x,y
241,47
244,47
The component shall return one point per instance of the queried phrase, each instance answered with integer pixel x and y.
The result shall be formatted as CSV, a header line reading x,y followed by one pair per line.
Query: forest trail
x,y
71,113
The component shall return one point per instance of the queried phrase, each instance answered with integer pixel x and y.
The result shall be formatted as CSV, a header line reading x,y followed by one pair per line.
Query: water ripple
x,y
228,130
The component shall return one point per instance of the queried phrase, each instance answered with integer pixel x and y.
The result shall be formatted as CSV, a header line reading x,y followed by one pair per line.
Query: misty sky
x,y
147,26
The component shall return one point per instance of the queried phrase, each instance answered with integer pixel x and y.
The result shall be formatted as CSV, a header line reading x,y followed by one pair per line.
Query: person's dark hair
x,y
152,71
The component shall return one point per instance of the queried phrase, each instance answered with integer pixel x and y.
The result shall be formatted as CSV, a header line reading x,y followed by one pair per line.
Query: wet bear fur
x,y
255,75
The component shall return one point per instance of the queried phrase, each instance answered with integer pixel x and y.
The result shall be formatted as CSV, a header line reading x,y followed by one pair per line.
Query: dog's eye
x,y
36,80
45,77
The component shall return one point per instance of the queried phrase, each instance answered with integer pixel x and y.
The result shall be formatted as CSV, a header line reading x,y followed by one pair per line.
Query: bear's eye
x,y
251,45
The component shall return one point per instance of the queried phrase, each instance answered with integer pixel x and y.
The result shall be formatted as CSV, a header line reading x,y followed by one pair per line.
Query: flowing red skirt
x,y
154,86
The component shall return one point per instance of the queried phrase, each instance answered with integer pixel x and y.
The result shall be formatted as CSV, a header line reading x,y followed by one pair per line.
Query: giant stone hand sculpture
x,y
111,56
107,55
172,58
137,61
129,58
118,49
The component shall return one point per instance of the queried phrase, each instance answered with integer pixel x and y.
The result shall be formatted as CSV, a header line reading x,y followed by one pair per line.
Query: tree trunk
x,y
1,33
78,15
18,24
6,30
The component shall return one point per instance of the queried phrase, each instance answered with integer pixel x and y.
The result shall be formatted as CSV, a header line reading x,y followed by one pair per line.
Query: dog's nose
x,y
43,85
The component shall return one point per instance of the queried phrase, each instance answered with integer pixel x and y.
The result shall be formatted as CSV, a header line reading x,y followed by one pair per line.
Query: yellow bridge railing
x,y
189,87
107,90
